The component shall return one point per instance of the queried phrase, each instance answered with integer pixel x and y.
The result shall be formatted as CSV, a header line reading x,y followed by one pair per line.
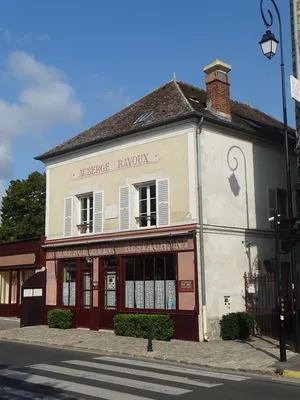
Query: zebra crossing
x,y
108,378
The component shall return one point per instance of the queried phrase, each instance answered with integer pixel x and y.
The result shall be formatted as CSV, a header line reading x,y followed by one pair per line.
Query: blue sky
x,y
67,64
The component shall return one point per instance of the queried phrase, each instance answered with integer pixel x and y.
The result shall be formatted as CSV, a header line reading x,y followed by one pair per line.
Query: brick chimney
x,y
218,88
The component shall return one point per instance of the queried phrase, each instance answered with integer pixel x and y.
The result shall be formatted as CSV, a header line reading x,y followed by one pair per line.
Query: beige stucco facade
x,y
162,155
236,175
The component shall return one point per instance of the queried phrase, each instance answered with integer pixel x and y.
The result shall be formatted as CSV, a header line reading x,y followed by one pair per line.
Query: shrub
x,y
137,325
60,319
237,325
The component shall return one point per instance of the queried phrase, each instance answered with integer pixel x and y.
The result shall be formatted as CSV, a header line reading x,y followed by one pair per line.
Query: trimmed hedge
x,y
137,325
60,319
237,325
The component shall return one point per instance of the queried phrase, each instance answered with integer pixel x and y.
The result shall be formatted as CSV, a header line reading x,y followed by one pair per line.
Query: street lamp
x,y
269,46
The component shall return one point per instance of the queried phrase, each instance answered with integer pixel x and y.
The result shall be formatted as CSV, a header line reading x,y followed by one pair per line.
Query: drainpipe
x,y
201,247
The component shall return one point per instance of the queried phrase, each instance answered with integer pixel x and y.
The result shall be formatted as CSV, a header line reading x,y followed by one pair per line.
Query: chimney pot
x,y
218,88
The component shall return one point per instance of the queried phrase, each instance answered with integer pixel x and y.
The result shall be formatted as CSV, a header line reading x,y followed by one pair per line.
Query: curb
x,y
291,374
264,372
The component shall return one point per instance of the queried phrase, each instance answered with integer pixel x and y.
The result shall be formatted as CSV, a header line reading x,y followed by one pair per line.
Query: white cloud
x,y
45,99
44,37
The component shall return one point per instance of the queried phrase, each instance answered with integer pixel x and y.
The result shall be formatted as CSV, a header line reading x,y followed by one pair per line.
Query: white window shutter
x,y
68,216
272,206
98,211
124,204
163,202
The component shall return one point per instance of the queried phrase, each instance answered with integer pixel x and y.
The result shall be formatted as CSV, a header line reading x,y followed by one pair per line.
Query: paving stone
x,y
257,354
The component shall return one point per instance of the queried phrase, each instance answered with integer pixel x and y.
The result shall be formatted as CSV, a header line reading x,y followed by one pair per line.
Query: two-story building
x,y
163,207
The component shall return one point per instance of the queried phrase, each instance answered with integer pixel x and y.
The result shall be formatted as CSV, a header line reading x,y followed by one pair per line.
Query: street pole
x,y
288,169
282,339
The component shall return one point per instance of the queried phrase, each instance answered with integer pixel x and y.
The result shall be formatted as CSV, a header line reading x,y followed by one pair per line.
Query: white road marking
x,y
154,375
73,387
172,368
9,391
116,380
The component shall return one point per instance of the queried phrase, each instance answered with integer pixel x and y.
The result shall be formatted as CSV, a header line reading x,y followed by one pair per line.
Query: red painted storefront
x,y
18,261
99,278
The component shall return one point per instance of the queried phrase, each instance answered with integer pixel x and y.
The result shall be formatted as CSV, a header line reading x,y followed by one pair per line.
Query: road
x,y
43,373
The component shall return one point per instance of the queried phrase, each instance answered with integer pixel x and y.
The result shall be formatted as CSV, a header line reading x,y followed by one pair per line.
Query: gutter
x,y
201,247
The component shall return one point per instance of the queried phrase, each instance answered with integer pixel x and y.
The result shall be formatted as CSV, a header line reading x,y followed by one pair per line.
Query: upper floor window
x,y
278,202
147,205
86,214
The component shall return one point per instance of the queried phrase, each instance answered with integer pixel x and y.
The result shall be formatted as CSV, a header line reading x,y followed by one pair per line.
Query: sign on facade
x,y
121,163
295,88
32,292
111,211
186,286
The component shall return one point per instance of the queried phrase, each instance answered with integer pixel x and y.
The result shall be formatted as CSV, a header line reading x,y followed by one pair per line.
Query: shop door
x,y
33,300
108,293
84,314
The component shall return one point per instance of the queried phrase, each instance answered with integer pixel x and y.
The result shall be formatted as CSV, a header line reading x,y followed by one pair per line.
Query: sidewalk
x,y
258,355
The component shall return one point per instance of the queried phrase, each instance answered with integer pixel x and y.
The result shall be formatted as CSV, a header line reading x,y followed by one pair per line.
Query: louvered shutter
x,y
296,205
272,206
68,216
98,211
124,204
163,202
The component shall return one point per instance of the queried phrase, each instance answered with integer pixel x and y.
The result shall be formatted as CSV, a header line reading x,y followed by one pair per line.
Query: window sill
x,y
146,227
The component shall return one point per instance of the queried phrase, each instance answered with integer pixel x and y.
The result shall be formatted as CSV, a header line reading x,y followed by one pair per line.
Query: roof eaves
x,y
117,135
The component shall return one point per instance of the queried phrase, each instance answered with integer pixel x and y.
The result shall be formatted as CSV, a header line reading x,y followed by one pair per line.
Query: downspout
x,y
201,248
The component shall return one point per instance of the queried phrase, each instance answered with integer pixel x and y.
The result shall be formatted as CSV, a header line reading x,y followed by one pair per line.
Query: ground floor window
x,y
11,285
4,287
150,282
69,283
24,275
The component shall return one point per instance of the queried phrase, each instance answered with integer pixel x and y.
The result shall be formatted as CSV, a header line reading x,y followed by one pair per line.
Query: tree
x,y
23,209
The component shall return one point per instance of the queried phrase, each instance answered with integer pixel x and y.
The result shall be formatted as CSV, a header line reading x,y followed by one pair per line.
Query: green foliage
x,y
136,325
237,325
60,319
23,209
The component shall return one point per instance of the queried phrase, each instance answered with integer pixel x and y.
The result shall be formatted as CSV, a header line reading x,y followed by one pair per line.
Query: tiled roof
x,y
173,101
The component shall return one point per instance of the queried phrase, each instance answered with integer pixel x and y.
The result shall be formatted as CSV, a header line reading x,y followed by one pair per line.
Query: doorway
x,y
108,292
85,302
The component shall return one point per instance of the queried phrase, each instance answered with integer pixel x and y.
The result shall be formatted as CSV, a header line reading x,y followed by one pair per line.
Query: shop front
x,y
18,261
98,281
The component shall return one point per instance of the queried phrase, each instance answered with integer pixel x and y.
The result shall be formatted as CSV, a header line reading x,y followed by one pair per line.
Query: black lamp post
x,y
269,46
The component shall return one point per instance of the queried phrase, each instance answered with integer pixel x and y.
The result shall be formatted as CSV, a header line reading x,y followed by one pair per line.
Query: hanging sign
x,y
295,88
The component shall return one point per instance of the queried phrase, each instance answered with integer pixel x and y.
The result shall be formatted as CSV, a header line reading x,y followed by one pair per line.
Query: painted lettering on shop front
x,y
162,245
128,248
122,163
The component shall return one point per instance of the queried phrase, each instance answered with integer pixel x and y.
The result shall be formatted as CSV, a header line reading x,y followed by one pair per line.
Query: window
x,y
86,214
4,287
277,201
24,275
69,283
282,202
143,117
150,282
147,205
14,287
